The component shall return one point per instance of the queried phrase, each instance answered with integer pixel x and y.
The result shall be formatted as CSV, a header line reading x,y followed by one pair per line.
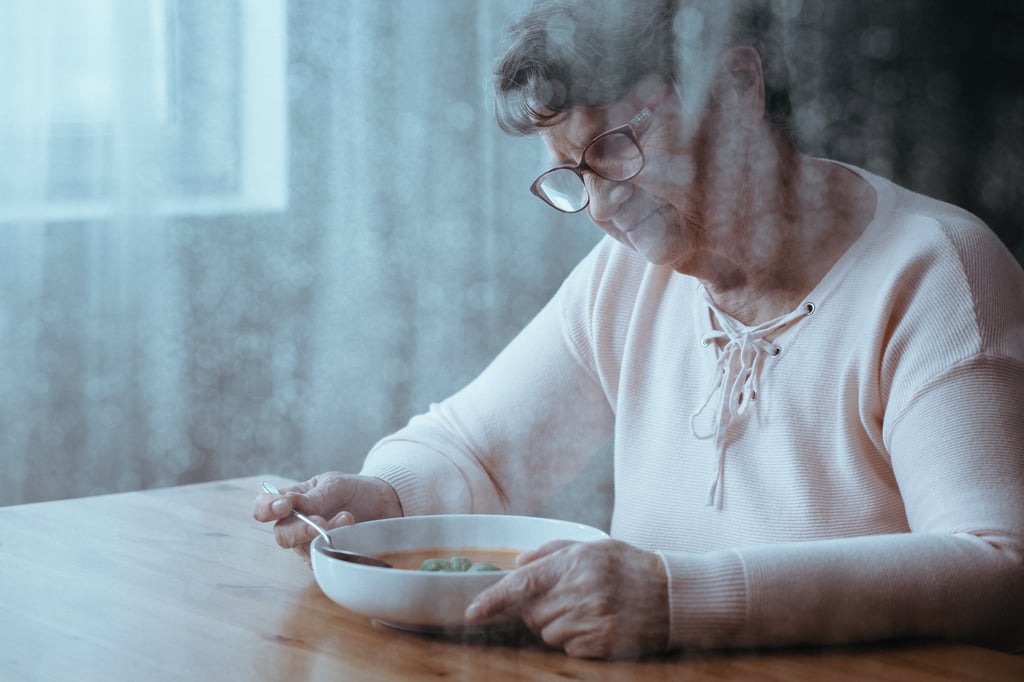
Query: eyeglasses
x,y
613,155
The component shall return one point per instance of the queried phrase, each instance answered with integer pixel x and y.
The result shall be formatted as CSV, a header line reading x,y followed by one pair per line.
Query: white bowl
x,y
421,599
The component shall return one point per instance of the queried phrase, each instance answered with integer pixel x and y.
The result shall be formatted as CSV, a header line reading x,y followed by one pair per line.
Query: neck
x,y
766,252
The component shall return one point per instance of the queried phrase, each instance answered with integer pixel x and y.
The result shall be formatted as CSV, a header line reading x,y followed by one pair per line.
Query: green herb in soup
x,y
434,565
460,559
457,564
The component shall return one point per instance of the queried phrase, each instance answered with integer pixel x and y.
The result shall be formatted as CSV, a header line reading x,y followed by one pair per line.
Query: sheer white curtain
x,y
87,283
242,236
163,322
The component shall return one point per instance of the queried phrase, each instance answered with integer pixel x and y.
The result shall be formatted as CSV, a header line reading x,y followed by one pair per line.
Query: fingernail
x,y
472,611
280,506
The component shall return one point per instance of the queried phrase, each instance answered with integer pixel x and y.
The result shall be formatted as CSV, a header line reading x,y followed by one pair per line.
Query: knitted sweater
x,y
853,471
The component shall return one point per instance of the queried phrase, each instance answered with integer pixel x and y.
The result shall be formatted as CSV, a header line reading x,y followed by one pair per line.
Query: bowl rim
x,y
319,540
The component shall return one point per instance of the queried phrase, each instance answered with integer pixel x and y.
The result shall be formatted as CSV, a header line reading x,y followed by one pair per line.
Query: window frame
x,y
262,170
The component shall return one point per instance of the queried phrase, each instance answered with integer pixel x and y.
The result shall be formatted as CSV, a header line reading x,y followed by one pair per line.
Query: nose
x,y
606,196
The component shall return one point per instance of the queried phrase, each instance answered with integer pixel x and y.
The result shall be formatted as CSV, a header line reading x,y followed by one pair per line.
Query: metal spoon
x,y
330,550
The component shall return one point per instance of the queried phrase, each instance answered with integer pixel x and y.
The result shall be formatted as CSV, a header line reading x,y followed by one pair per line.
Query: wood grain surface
x,y
182,584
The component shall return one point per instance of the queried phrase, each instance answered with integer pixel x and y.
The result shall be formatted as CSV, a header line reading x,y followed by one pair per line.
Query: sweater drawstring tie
x,y
742,351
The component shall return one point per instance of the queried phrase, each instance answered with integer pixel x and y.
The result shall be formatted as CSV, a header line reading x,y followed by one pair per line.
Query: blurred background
x,y
255,236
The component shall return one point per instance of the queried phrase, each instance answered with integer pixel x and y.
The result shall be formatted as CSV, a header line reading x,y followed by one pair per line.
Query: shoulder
x,y
942,268
610,293
607,279
935,235
933,292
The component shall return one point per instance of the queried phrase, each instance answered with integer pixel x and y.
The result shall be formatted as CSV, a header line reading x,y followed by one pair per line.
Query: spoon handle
x,y
270,488
315,526
329,549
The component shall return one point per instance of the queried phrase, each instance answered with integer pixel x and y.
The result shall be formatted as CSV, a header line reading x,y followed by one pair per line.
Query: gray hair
x,y
588,53
579,53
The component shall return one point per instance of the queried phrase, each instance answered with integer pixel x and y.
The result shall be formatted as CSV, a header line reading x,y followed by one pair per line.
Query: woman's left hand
x,y
603,599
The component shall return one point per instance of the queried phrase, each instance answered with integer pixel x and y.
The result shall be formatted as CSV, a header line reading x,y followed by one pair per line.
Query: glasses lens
x,y
563,189
615,157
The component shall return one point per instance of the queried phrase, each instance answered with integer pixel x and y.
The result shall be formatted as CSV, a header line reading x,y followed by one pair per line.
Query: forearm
x,y
913,585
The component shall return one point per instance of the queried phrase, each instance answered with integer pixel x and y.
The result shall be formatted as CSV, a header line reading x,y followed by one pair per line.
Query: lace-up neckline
x,y
742,351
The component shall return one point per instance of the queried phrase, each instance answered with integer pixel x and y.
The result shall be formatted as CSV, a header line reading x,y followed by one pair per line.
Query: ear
x,y
740,85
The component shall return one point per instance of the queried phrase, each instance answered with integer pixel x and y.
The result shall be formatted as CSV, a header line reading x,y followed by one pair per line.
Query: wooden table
x,y
182,583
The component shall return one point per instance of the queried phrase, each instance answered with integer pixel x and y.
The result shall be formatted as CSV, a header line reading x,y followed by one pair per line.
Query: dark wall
x,y
929,93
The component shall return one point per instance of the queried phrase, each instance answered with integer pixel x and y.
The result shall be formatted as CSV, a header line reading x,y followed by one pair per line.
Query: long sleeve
x,y
510,439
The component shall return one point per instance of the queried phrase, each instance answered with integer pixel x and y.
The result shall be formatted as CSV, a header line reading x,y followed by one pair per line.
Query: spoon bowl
x,y
328,548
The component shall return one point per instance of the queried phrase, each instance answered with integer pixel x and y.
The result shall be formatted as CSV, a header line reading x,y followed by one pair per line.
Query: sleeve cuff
x,y
707,599
406,484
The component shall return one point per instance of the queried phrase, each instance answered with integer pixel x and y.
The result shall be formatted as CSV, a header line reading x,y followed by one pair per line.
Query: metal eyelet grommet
x,y
776,350
809,308
704,342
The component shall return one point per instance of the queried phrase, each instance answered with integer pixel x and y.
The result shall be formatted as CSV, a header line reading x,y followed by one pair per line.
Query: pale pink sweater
x,y
873,489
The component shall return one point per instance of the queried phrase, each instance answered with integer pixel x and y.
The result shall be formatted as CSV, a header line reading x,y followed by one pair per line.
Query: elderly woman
x,y
813,378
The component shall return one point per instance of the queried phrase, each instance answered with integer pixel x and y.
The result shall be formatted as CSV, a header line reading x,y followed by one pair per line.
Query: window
x,y
176,103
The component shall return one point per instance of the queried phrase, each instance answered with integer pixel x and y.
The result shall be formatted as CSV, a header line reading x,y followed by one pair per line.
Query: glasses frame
x,y
636,125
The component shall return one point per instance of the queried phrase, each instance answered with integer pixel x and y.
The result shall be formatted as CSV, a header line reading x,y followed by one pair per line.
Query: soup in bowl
x,y
463,553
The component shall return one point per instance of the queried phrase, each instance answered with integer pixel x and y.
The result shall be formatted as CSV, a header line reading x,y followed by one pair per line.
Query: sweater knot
x,y
742,351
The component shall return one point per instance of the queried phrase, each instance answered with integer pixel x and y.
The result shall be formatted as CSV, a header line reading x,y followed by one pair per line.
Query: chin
x,y
661,242
659,259
660,253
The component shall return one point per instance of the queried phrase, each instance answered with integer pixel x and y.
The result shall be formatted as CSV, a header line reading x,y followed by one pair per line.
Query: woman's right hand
x,y
331,499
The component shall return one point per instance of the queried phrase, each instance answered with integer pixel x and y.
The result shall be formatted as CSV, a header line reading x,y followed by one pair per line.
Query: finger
x,y
544,550
340,519
303,549
513,591
322,495
269,507
580,638
292,532
311,497
542,613
557,632
587,645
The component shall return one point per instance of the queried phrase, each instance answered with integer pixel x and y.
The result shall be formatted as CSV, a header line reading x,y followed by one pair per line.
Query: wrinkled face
x,y
662,212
